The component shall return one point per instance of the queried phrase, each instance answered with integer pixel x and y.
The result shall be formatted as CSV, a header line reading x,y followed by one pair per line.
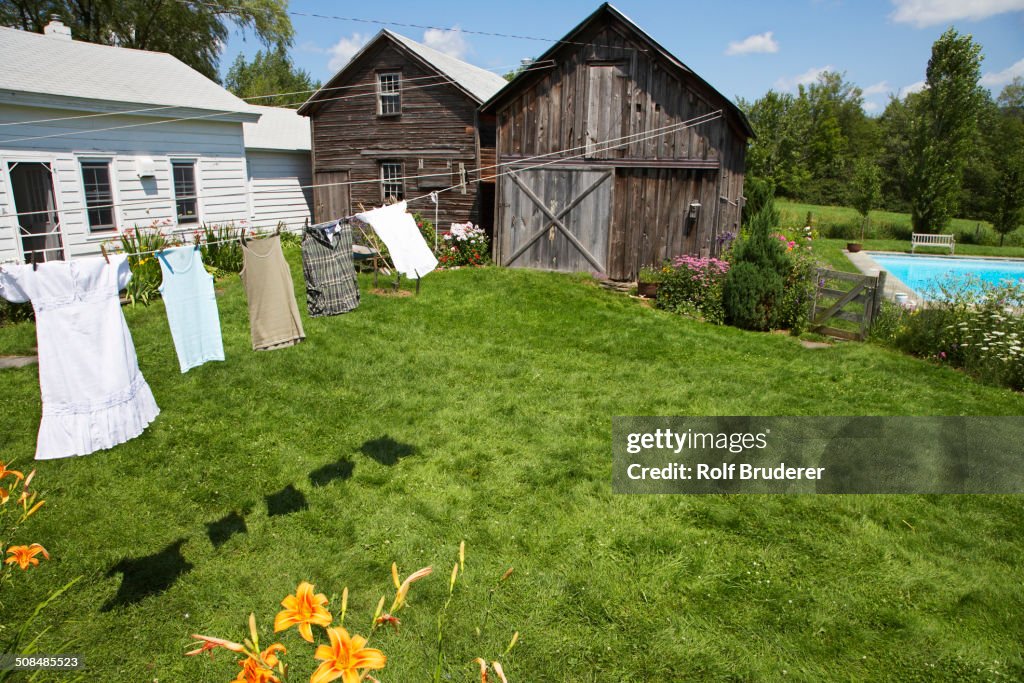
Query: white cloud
x,y
1001,78
344,49
912,88
923,13
806,78
449,41
878,89
871,107
760,43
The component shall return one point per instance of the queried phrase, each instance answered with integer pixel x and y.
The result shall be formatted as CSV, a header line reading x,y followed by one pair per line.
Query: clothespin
x,y
362,209
32,260
103,249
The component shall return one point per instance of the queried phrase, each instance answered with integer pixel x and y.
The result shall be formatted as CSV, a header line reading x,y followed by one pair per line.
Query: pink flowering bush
x,y
693,287
464,245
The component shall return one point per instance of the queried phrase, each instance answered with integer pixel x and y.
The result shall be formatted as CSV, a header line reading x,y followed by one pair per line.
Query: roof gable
x,y
100,77
607,13
478,84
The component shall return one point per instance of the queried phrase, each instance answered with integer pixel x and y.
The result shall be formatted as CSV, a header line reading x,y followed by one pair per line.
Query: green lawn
x,y
846,219
481,410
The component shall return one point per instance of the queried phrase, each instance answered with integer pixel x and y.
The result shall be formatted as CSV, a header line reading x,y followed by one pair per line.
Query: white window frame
x,y
111,162
396,92
174,193
396,180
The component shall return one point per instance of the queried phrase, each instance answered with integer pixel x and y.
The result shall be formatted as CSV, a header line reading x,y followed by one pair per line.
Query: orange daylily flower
x,y
304,608
4,472
260,670
346,658
24,555
209,643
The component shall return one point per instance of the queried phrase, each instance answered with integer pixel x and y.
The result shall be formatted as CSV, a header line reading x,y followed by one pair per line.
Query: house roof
x,y
607,10
50,70
278,129
478,83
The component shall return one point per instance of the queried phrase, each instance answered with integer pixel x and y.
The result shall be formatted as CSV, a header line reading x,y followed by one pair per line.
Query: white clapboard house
x,y
95,140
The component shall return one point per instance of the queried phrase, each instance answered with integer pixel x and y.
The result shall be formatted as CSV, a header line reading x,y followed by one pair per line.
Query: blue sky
x,y
742,47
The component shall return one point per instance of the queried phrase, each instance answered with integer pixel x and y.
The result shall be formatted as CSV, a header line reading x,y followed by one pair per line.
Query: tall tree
x,y
942,130
191,30
865,191
270,73
780,122
1008,188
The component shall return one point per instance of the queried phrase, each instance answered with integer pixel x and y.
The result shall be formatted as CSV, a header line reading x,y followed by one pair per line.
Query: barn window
x,y
186,204
389,94
99,197
391,181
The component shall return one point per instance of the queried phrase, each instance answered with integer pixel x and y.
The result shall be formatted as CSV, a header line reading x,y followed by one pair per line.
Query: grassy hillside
x,y
481,410
844,223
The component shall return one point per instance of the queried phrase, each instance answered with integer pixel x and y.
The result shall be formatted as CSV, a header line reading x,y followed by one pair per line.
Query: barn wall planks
x,y
612,101
435,134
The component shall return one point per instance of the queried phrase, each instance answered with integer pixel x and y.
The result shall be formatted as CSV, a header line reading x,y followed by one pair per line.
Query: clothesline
x,y
518,168
595,146
198,117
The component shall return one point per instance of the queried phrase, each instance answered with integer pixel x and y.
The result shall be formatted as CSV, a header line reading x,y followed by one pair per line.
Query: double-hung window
x,y
186,203
99,196
391,181
389,93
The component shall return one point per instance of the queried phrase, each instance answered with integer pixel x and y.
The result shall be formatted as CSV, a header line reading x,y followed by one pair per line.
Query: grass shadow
x,y
286,501
148,575
386,450
323,476
224,528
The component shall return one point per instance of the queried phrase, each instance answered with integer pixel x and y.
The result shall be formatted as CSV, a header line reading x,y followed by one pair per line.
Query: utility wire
x,y
164,200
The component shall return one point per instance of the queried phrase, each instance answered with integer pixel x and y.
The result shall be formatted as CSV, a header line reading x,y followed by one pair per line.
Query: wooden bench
x,y
921,239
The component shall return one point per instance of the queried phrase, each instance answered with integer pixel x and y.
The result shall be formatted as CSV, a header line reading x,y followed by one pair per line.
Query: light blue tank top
x,y
191,304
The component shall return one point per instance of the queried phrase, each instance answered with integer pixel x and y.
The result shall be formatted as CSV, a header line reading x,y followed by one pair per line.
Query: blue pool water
x,y
921,272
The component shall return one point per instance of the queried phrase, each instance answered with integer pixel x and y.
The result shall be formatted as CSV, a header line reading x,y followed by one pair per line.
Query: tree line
x,y
948,150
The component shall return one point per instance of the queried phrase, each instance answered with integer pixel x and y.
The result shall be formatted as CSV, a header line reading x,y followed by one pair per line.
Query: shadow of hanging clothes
x,y
386,450
286,501
223,529
148,575
323,476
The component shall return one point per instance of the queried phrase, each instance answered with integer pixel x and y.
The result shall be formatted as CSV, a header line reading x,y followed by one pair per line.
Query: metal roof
x,y
277,129
37,68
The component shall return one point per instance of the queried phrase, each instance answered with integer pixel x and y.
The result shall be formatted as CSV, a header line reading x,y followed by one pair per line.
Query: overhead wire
x,y
275,190
518,168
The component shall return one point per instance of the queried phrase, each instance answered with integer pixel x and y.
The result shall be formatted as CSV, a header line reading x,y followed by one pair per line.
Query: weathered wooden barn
x,y
400,120
628,182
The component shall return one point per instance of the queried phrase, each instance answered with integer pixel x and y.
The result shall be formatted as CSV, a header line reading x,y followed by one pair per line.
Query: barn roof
x,y
45,70
478,83
278,129
605,11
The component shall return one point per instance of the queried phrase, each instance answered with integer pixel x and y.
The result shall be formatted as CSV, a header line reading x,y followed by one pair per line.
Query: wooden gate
x,y
330,198
556,219
854,299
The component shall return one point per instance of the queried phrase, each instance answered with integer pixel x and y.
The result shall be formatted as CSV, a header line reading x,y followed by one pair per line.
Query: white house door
x,y
34,201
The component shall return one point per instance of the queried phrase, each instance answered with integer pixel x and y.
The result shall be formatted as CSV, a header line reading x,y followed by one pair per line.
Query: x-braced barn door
x,y
556,219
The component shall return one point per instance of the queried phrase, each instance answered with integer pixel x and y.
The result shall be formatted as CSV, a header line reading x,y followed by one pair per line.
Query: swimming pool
x,y
922,272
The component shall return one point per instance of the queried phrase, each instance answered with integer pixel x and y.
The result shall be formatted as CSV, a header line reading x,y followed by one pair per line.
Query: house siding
x,y
217,147
435,134
280,188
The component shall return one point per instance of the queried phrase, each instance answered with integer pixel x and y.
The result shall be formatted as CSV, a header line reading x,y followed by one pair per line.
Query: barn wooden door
x,y
606,89
330,200
556,219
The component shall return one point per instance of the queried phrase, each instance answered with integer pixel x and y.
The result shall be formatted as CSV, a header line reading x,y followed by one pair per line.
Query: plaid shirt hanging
x,y
331,287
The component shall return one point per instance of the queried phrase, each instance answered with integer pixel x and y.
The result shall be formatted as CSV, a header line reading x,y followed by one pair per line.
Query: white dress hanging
x,y
94,396
409,252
